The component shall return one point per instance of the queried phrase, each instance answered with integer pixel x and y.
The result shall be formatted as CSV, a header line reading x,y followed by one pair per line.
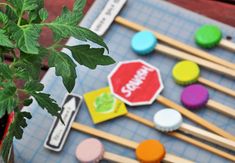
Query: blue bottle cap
x,y
143,42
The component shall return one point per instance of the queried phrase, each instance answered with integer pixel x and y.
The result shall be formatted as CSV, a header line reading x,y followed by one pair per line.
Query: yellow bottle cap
x,y
186,72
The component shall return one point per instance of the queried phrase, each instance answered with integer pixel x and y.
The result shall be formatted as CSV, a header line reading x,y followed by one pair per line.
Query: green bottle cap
x,y
208,36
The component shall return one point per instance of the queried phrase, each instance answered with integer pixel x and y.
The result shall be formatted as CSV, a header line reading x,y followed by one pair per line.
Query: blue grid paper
x,y
158,15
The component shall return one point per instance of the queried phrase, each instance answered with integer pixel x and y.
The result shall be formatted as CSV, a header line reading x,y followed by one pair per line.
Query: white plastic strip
x,y
106,17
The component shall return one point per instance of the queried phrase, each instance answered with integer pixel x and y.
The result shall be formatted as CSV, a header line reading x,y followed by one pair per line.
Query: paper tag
x,y
103,106
135,82
106,17
59,132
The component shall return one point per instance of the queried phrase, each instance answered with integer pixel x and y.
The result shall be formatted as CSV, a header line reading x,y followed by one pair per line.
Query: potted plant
x,y
21,23
5,122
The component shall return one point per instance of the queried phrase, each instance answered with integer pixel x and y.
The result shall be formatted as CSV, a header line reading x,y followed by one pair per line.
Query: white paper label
x,y
106,17
59,132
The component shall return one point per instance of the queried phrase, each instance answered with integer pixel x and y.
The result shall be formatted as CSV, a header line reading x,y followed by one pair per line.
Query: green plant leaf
x,y
5,71
15,130
43,14
35,59
3,18
79,5
65,25
27,102
86,34
8,99
5,50
33,86
27,38
68,18
23,5
27,70
21,27
35,13
65,11
90,57
11,14
4,40
29,66
64,67
32,16
47,103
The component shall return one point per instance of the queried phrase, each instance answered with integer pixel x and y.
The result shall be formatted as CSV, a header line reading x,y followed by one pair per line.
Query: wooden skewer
x,y
227,45
191,98
117,158
197,132
92,150
207,64
216,86
221,108
175,159
205,135
122,141
105,135
222,141
176,43
182,68
195,117
205,146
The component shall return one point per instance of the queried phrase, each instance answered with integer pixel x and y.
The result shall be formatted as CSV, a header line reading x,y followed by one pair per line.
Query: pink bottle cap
x,y
90,151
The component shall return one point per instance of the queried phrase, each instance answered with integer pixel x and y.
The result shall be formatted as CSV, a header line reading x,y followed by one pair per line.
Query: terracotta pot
x,y
11,154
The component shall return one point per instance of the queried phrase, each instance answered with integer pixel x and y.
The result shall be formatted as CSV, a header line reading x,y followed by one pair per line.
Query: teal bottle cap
x,y
143,42
208,36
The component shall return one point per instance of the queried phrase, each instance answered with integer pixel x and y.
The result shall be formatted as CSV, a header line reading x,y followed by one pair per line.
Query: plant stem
x,y
27,25
55,45
14,55
5,4
21,90
12,64
19,20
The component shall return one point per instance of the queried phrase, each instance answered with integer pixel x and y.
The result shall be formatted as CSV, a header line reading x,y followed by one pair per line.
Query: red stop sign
x,y
135,82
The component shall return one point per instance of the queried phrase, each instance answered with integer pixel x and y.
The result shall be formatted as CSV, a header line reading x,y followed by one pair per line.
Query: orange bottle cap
x,y
150,151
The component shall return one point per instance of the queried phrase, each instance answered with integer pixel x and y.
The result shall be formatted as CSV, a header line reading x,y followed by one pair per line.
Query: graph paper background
x,y
158,15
